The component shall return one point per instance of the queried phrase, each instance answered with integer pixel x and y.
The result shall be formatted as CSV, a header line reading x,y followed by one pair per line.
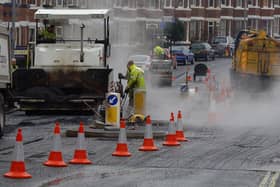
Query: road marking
x,y
265,179
274,180
270,179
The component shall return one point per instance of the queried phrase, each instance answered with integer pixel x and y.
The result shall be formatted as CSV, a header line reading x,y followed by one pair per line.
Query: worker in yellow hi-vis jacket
x,y
135,80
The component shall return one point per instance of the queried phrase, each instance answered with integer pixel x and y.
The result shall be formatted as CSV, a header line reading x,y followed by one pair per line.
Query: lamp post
x,y
245,15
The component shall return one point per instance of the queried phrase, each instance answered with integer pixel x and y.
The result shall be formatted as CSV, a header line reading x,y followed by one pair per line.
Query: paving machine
x,y
256,61
70,71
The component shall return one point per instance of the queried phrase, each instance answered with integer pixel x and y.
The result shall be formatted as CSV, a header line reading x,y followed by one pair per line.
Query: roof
x,y
71,13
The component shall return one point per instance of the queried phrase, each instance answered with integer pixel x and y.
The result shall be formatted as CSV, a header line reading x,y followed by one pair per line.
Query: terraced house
x,y
143,20
203,18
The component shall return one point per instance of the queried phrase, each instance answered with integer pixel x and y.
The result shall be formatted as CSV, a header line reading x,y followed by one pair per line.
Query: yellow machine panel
x,y
258,54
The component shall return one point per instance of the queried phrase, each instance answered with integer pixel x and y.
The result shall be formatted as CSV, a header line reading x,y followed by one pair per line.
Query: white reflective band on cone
x,y
18,152
179,125
81,141
122,136
171,128
57,142
148,131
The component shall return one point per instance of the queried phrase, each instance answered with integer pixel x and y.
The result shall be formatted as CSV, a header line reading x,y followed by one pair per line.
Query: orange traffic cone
x,y
80,155
148,144
179,131
17,168
212,113
170,139
122,149
55,156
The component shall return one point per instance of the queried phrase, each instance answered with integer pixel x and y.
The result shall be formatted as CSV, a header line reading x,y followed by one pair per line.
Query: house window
x,y
267,3
124,3
196,3
239,3
253,2
83,4
211,3
210,30
59,32
118,3
183,4
48,3
226,2
168,3
31,34
277,27
140,3
276,2
131,4
72,2
33,2
152,4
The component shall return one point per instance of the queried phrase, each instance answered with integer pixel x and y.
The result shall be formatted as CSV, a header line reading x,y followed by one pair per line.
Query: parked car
x,y
221,43
183,54
142,61
203,50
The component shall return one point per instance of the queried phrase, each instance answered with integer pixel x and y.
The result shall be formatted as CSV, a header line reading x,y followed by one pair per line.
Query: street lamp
x,y
246,2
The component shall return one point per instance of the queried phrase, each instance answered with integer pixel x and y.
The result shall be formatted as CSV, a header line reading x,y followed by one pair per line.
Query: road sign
x,y
112,99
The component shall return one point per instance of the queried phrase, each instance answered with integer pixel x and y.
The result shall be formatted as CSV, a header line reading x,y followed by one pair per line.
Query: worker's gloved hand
x,y
121,76
126,90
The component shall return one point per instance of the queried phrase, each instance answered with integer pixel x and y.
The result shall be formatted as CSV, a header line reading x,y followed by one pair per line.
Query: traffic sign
x,y
112,99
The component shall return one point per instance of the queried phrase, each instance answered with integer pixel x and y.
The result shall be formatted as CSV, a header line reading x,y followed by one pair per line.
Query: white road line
x,y
265,180
269,179
274,179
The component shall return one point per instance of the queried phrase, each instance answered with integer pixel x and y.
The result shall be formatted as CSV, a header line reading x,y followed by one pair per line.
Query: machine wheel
x,y
2,115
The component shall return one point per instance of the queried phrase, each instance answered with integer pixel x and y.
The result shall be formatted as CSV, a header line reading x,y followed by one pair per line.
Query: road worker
x,y
135,80
159,52
47,35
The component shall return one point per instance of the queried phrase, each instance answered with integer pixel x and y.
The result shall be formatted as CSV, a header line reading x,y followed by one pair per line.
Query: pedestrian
x,y
135,80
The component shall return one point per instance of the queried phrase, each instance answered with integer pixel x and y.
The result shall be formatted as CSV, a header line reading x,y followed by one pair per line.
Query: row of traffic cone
x,y
172,138
17,168
55,159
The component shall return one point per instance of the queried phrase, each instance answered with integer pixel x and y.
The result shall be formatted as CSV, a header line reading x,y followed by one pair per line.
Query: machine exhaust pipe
x,y
82,54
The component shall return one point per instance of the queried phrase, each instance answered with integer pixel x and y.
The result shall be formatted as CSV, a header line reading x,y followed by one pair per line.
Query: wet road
x,y
242,149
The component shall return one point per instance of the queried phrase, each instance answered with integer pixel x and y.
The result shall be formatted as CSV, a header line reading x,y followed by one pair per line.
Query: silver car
x,y
221,43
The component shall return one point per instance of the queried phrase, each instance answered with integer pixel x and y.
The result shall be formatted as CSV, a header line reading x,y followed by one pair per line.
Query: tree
x,y
175,31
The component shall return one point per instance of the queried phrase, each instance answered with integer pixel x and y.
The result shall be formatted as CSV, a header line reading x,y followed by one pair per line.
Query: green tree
x,y
175,31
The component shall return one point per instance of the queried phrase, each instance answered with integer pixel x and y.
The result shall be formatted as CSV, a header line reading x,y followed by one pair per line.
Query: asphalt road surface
x,y
241,149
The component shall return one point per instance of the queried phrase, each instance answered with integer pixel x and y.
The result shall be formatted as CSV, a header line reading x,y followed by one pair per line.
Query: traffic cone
x,y
80,154
148,144
55,156
122,149
17,168
212,114
170,139
179,131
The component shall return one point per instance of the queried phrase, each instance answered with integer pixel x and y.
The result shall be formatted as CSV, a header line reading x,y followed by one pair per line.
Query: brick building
x,y
203,19
140,21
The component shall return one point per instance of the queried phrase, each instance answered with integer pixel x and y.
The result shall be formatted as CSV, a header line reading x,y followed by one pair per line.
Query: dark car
x,y
183,54
203,50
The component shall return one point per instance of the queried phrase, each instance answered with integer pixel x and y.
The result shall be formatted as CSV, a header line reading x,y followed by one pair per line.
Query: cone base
x,y
171,140
55,160
180,136
148,148
148,145
121,150
80,157
17,171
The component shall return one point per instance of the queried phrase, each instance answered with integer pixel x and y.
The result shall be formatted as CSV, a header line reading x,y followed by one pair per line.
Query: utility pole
x,y
13,28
